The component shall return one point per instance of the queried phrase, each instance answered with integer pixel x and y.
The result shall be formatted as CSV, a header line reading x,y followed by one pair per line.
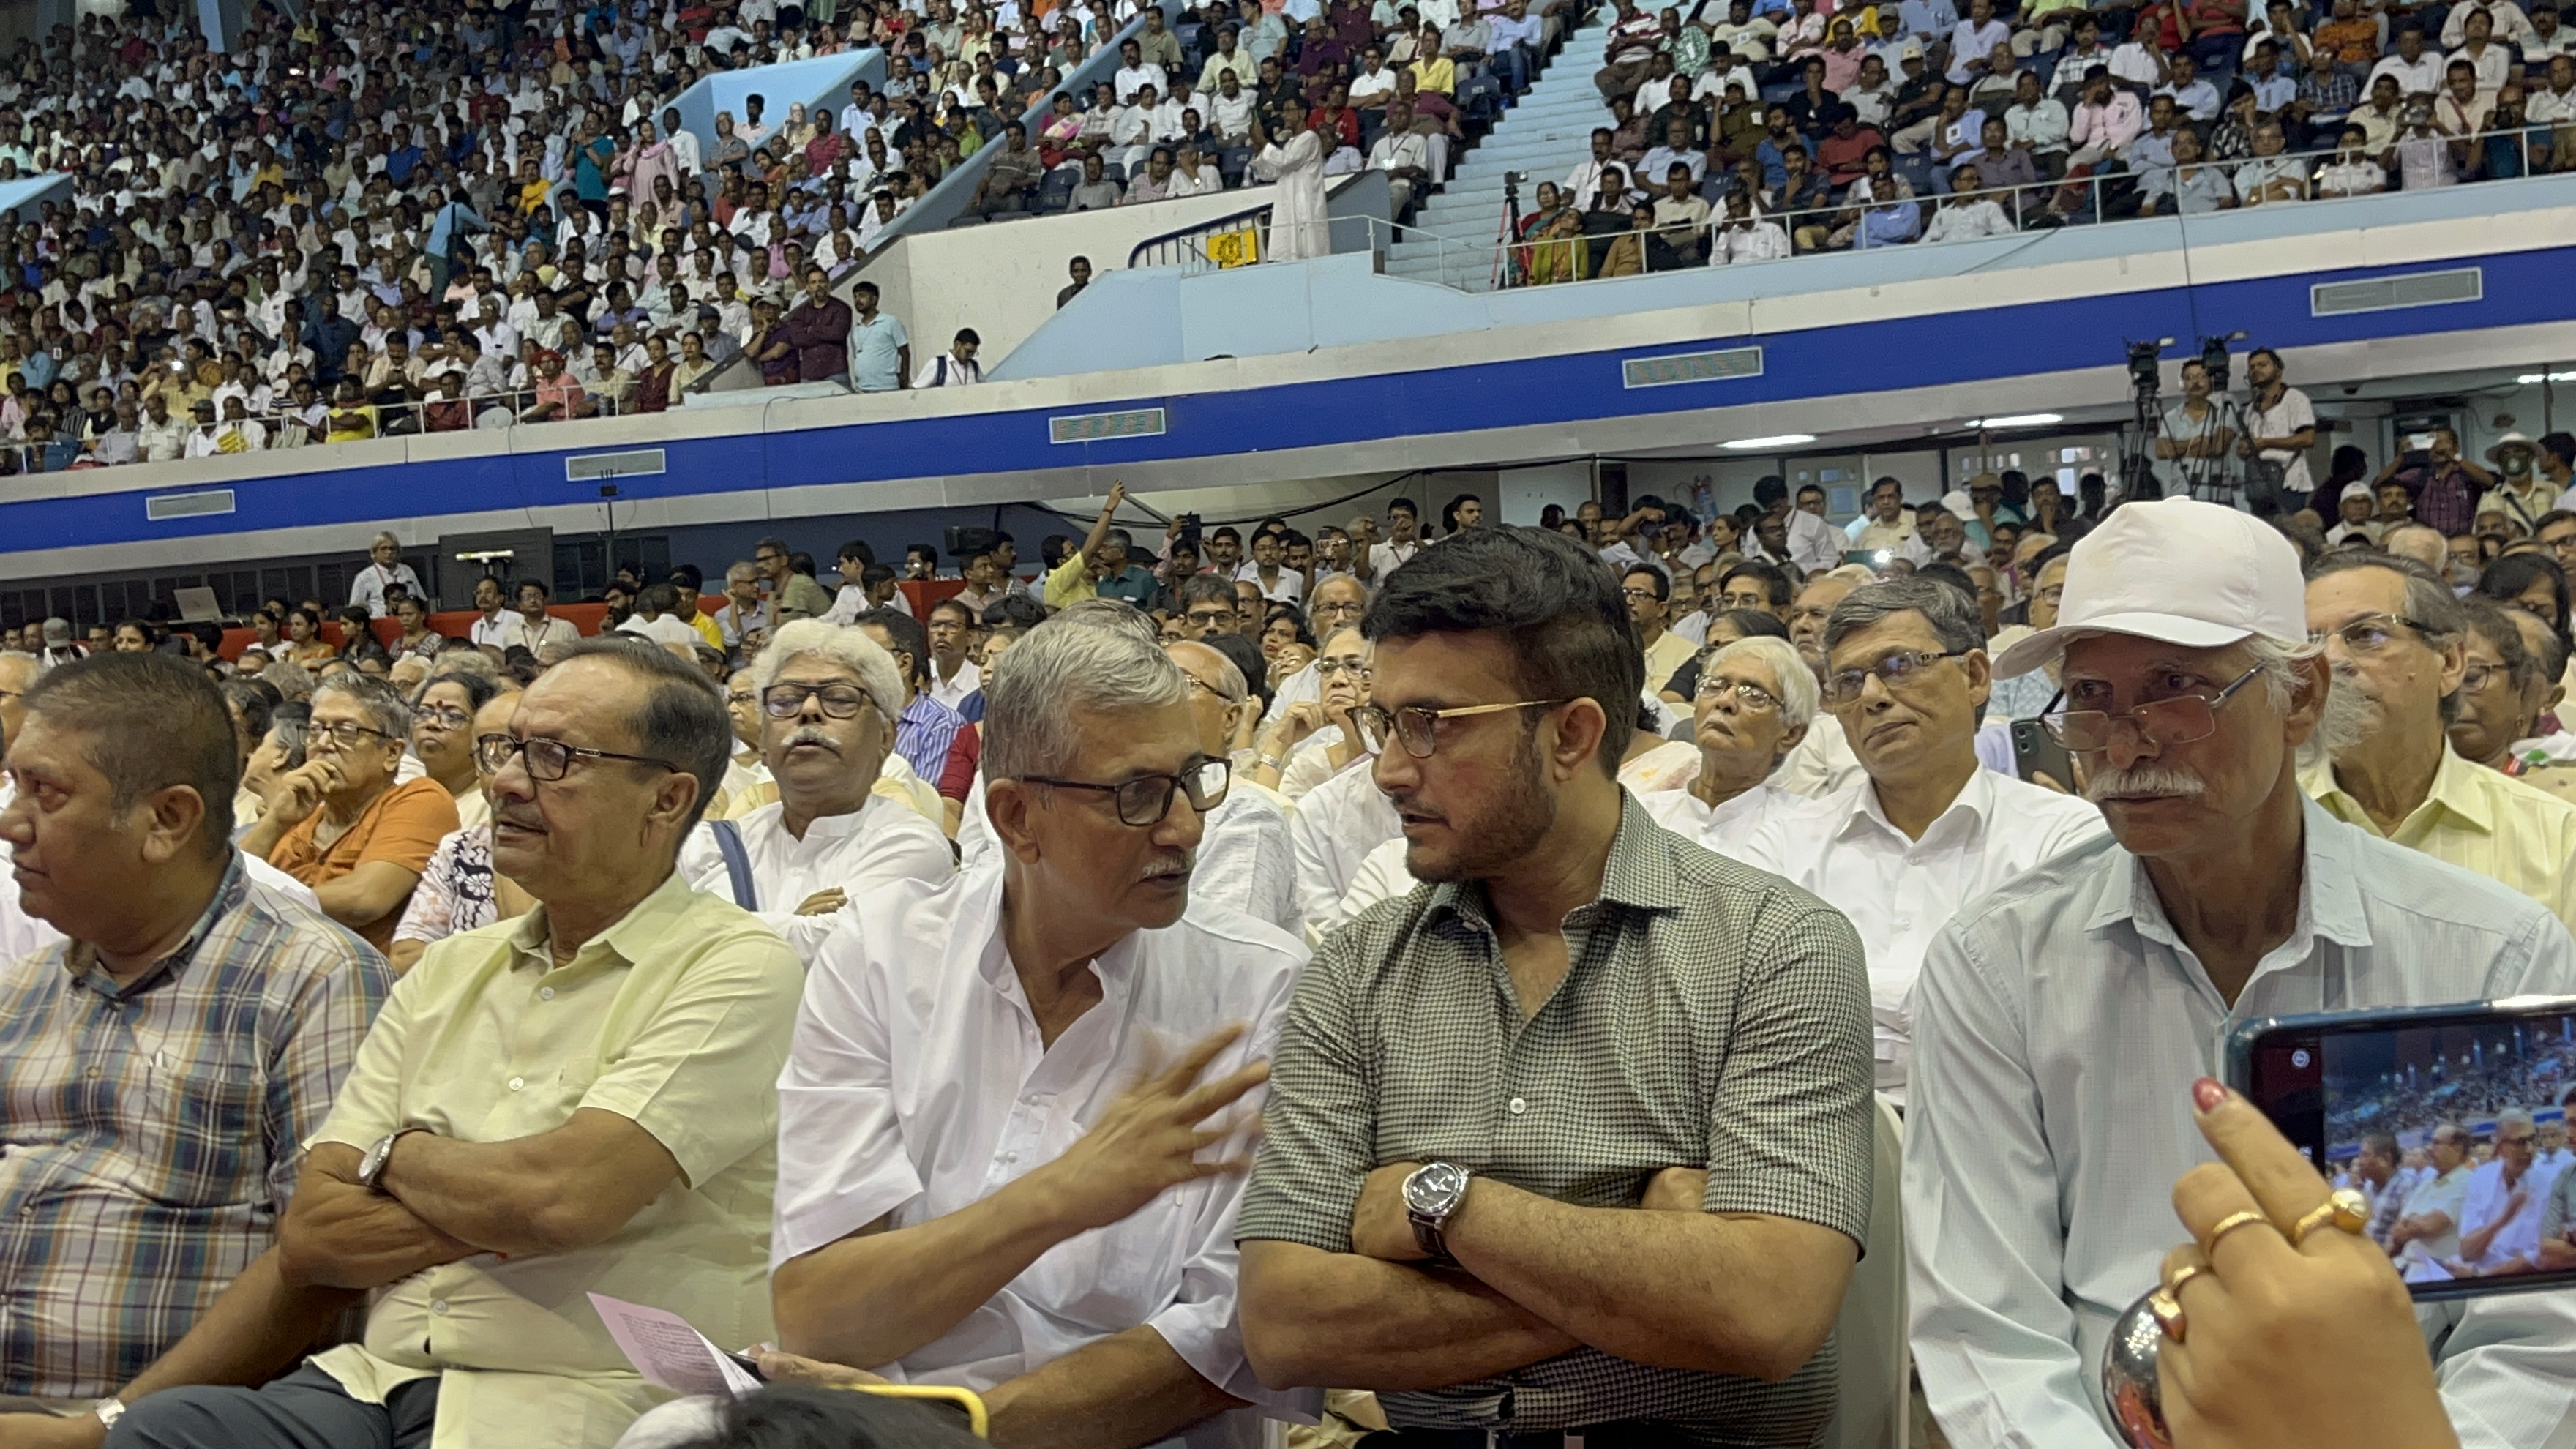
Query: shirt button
x,y
97,1072
1518,1106
438,1305
1010,1157
517,1082
545,993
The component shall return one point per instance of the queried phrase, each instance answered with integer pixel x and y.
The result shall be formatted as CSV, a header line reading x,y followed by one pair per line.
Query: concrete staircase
x,y
1453,235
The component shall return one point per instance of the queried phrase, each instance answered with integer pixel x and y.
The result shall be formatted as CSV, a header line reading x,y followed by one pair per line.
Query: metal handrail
x,y
1178,237
2017,207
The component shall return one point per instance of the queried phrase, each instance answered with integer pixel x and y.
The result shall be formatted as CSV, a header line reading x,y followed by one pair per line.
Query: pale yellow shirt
x,y
1069,582
2483,821
678,1018
1665,656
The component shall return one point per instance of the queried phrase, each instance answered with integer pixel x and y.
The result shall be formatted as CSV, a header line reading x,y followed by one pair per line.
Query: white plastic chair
x,y
1871,1405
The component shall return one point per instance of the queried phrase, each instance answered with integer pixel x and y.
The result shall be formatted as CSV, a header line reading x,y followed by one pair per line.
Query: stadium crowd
x,y
366,221
1742,132
890,997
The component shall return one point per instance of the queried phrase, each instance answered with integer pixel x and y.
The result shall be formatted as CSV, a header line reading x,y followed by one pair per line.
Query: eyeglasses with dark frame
x,y
839,701
1901,670
1417,726
1144,800
549,760
346,733
2160,722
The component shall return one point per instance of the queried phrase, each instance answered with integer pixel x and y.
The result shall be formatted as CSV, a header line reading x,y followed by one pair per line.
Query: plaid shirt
x,y
152,1132
1712,1016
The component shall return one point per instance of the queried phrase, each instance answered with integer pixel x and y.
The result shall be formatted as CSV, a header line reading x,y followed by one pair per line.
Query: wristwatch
x,y
109,1410
371,1168
1432,1193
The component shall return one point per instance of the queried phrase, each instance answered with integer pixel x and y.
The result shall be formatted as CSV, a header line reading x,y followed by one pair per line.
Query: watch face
x,y
1434,1191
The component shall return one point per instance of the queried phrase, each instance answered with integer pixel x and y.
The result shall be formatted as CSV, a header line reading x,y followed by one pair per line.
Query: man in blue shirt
x,y
880,350
330,335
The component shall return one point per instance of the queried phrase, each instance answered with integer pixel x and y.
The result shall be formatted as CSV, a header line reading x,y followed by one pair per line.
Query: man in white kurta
x,y
1298,226
826,697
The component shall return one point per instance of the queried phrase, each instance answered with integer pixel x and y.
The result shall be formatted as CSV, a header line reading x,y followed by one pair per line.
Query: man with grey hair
x,y
345,822
580,1099
2396,637
1753,705
995,1167
2062,1022
827,698
2507,1197
384,574
1927,828
1245,860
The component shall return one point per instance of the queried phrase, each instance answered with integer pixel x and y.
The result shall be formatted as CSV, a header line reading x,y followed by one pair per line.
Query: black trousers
x,y
307,1409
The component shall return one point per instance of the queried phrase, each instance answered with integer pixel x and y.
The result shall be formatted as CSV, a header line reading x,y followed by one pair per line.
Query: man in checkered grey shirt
x,y
1573,1139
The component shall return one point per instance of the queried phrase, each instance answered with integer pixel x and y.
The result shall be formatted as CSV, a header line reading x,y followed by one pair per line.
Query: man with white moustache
x,y
996,1167
827,698
1753,706
2066,1024
1928,828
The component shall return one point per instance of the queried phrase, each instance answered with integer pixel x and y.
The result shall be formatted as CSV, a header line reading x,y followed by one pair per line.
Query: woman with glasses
x,y
1754,701
1315,739
442,735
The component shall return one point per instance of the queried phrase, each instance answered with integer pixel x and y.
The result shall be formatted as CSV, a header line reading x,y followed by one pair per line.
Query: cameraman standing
x,y
2280,428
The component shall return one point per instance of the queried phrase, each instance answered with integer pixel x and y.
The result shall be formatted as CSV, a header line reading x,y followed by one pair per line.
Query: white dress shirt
x,y
504,630
1899,892
1297,688
1385,558
1724,828
1245,862
367,590
552,631
1338,823
918,1086
1814,545
952,691
2058,1028
1822,763
2486,1201
2420,1261
881,842
1381,877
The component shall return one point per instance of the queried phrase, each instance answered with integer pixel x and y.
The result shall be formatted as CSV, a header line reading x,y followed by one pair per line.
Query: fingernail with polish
x,y
2208,1095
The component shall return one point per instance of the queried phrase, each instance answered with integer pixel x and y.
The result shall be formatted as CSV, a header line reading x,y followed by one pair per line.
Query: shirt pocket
x,y
1116,1277
202,1139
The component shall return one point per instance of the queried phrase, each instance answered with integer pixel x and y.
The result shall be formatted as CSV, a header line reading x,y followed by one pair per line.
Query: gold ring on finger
x,y
2168,1314
2230,1223
2173,1289
2345,1207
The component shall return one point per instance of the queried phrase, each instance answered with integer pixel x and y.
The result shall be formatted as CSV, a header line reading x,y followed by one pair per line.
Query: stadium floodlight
x,y
2017,420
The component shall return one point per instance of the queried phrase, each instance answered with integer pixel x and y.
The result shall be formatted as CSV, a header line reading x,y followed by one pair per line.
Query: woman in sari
x,y
651,161
653,382
799,128
1552,248
1057,137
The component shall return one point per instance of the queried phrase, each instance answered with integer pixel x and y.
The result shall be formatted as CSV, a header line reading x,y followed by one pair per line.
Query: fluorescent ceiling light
x,y
1785,440
2018,420
2533,379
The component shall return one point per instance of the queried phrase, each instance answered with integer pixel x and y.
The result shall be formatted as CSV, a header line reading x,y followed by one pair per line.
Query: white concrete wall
x,y
1001,278
1526,492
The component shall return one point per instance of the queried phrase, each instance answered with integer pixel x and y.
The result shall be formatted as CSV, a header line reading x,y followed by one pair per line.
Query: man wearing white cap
x,y
2520,493
2060,1022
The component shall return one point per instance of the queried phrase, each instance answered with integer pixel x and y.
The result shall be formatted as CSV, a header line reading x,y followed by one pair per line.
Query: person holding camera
x,y
2280,428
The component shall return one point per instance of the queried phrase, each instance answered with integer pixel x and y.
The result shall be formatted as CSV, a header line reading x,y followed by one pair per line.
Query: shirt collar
x,y
2329,889
80,958
1976,798
2455,789
1638,872
646,925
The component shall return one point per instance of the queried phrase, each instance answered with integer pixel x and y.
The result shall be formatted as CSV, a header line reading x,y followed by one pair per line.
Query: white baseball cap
x,y
2180,571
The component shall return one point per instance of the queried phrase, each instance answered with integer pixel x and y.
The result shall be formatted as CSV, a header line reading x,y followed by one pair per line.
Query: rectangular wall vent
x,y
634,463
2389,294
213,502
1097,427
1733,362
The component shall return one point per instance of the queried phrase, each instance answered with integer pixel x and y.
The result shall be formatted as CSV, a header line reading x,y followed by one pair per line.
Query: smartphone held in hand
x,y
2451,1120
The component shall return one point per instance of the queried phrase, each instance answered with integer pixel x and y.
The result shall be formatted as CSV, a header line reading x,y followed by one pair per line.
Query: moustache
x,y
2143,782
812,735
1169,862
